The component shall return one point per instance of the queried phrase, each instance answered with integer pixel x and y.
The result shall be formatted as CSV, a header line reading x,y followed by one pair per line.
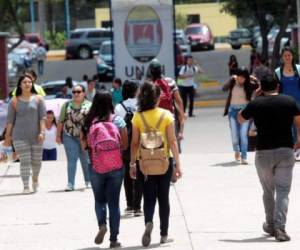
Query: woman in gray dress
x,y
26,130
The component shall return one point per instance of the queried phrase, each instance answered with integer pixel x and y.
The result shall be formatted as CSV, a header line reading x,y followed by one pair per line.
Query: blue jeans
x,y
49,154
41,67
73,152
239,132
275,171
106,188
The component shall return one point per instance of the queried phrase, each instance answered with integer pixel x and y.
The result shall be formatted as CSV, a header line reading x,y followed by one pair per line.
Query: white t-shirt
x,y
130,104
191,72
50,136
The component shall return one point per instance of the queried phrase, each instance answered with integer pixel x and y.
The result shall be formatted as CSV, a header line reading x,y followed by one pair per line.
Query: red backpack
x,y
166,97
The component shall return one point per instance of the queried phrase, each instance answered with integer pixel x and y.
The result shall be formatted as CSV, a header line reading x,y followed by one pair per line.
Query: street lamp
x,y
67,14
32,17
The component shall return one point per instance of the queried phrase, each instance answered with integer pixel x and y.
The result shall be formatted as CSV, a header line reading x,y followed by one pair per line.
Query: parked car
x,y
83,42
52,88
183,42
285,40
104,61
12,70
200,36
255,34
239,37
179,33
184,46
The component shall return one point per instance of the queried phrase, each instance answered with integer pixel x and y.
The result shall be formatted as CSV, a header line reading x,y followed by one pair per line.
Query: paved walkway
x,y
216,206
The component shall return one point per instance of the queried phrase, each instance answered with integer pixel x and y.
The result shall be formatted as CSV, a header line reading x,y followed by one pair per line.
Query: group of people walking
x,y
135,140
132,133
270,100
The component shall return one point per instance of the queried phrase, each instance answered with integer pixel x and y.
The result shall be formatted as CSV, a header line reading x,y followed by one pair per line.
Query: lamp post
x,y
67,14
32,16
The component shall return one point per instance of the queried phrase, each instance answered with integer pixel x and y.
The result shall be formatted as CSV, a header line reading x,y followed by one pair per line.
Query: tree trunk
x,y
20,29
283,26
264,29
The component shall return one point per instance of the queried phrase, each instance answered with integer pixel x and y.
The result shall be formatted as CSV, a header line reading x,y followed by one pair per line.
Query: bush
x,y
56,40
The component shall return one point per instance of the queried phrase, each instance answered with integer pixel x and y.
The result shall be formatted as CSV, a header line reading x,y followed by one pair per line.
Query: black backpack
x,y
128,117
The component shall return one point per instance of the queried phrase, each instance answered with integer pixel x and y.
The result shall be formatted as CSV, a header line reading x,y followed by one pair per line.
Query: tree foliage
x,y
267,14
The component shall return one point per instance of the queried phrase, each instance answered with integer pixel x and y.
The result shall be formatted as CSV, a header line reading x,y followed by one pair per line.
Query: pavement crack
x,y
184,218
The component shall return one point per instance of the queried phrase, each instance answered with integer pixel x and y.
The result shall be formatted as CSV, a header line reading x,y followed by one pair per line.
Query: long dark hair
x,y
101,109
148,97
232,58
244,72
288,49
50,112
19,89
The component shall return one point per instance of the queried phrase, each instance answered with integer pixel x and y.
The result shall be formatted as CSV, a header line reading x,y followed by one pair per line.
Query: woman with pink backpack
x,y
105,136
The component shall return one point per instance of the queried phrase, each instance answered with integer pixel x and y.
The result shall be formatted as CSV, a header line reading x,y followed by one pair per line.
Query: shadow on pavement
x,y
9,195
152,246
10,176
226,164
63,191
252,240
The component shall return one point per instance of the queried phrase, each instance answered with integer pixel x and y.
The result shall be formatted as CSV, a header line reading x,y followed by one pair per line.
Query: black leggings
x,y
188,92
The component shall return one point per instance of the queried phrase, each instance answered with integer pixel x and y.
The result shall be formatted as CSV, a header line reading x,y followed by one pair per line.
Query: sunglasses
x,y
76,92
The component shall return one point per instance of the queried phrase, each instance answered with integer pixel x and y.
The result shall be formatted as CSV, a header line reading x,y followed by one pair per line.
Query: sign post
x,y
143,30
3,66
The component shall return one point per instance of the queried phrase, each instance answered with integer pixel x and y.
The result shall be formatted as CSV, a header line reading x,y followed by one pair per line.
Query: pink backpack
x,y
104,142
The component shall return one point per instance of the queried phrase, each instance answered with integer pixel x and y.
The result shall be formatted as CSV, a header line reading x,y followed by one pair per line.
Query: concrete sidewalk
x,y
217,205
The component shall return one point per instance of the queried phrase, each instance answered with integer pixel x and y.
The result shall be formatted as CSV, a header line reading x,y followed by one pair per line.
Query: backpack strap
x,y
298,70
160,120
146,126
124,107
278,73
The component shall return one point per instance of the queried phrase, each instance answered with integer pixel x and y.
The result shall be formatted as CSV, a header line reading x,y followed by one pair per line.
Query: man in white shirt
x,y
187,75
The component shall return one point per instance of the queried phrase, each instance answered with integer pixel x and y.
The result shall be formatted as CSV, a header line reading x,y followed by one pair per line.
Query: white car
x,y
52,88
285,40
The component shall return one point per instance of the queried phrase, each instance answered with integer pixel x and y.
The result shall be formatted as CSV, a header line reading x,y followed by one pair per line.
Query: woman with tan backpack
x,y
153,140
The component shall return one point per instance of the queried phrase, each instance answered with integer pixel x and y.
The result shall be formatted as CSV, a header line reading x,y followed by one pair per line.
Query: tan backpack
x,y
153,158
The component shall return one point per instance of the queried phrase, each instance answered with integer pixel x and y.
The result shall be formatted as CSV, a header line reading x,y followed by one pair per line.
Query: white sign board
x,y
143,30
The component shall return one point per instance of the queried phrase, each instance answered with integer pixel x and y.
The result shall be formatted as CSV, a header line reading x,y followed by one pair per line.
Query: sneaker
x,y
26,190
281,235
87,184
137,212
114,244
244,162
237,156
100,236
69,188
128,210
269,229
35,186
164,239
146,239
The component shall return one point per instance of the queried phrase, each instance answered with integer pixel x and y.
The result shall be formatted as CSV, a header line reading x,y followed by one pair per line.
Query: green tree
x,y
12,18
181,21
267,13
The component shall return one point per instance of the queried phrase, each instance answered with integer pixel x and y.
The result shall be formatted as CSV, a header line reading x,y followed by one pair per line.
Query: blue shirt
x,y
290,86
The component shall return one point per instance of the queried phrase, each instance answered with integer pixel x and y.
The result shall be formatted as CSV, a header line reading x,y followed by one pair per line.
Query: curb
x,y
56,55
210,103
